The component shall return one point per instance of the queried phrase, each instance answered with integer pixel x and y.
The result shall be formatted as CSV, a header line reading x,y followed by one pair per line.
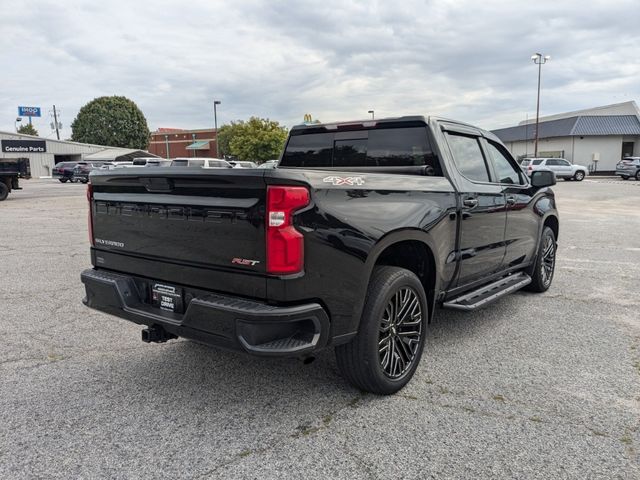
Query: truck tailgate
x,y
211,218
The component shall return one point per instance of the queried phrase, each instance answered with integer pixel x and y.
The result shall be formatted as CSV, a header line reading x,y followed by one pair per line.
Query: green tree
x,y
28,129
258,139
112,121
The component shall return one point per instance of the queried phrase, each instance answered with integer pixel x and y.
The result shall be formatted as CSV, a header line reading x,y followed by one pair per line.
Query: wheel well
x,y
552,223
416,257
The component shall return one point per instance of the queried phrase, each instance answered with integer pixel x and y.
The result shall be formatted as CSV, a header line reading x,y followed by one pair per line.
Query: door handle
x,y
511,200
470,202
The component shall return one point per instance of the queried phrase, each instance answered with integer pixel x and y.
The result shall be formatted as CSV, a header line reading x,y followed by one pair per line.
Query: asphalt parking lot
x,y
535,386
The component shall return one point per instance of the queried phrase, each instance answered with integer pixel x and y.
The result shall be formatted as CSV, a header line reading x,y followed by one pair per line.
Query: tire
x,y
625,177
84,180
544,267
638,175
63,180
579,176
364,362
4,191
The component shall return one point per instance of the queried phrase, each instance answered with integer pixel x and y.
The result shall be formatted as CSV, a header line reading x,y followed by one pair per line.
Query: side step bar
x,y
489,293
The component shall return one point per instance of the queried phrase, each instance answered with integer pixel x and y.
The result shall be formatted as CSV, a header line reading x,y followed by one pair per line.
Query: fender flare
x,y
391,238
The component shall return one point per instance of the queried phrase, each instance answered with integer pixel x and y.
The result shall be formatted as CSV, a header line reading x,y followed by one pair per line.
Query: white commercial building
x,y
44,153
596,137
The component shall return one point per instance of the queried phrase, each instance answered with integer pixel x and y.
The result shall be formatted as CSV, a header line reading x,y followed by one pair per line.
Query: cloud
x,y
333,59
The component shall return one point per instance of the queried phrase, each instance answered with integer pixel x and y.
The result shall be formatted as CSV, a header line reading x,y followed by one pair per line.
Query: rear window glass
x,y
180,163
536,162
390,147
524,163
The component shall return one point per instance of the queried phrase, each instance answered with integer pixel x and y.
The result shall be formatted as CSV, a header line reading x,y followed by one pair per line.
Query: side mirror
x,y
543,178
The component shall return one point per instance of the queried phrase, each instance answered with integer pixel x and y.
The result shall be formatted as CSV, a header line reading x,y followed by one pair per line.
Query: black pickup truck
x,y
11,170
362,230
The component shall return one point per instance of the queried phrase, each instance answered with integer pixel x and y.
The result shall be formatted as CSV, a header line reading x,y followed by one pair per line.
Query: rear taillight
x,y
285,245
529,168
90,200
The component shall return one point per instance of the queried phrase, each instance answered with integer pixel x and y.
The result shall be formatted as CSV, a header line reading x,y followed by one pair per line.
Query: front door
x,y
483,221
522,232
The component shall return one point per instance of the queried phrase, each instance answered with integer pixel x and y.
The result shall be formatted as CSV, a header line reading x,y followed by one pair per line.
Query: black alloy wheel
x,y
542,271
400,332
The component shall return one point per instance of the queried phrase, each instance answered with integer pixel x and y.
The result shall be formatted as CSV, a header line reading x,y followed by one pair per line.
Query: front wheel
x,y
545,264
4,191
579,176
638,175
385,353
625,177
63,180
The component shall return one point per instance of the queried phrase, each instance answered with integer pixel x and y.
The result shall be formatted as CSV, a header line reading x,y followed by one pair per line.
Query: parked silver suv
x,y
561,167
628,167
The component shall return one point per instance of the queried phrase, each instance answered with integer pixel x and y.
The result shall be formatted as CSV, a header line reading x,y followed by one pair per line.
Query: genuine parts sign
x,y
24,146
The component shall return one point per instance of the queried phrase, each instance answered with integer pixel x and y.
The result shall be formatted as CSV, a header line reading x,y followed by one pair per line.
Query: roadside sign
x,y
29,111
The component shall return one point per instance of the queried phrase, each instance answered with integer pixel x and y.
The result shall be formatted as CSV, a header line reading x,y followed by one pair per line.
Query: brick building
x,y
175,142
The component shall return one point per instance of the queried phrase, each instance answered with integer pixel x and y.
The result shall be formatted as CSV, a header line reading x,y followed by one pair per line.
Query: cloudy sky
x,y
337,59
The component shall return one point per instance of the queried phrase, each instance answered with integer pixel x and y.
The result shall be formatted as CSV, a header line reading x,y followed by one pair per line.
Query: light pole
x,y
539,59
215,124
372,114
18,119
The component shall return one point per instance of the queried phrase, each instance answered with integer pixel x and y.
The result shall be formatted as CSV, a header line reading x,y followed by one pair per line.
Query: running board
x,y
489,293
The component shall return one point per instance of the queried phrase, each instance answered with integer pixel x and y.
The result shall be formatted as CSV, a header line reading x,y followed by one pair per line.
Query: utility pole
x,y
55,122
215,124
539,59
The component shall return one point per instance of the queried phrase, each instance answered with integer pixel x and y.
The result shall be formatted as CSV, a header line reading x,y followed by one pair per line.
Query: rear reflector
x,y
285,245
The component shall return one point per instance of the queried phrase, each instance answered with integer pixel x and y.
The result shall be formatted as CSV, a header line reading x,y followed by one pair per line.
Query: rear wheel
x,y
638,175
625,177
578,176
544,267
63,180
84,180
4,191
384,355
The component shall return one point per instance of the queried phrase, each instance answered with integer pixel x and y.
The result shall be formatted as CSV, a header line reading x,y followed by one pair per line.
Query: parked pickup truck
x,y
362,230
11,170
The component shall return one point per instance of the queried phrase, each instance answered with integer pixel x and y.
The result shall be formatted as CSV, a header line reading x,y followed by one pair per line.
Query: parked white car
x,y
561,167
200,162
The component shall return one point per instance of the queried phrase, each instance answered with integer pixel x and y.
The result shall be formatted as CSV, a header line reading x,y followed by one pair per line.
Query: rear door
x,y
560,167
484,217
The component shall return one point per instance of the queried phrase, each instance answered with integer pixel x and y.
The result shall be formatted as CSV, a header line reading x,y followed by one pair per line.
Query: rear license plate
x,y
166,297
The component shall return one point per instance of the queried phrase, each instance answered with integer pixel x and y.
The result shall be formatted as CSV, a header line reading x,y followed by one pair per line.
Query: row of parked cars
x,y
628,167
79,171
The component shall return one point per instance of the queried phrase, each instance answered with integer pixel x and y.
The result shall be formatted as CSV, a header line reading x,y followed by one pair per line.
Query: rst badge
x,y
245,261
335,180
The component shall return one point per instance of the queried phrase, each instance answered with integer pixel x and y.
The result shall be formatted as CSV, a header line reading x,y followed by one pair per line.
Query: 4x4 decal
x,y
335,180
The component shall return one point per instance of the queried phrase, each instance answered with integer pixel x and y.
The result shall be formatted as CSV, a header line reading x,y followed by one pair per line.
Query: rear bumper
x,y
219,320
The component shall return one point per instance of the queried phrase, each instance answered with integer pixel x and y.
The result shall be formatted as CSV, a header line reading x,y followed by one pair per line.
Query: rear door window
x,y
468,157
536,162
